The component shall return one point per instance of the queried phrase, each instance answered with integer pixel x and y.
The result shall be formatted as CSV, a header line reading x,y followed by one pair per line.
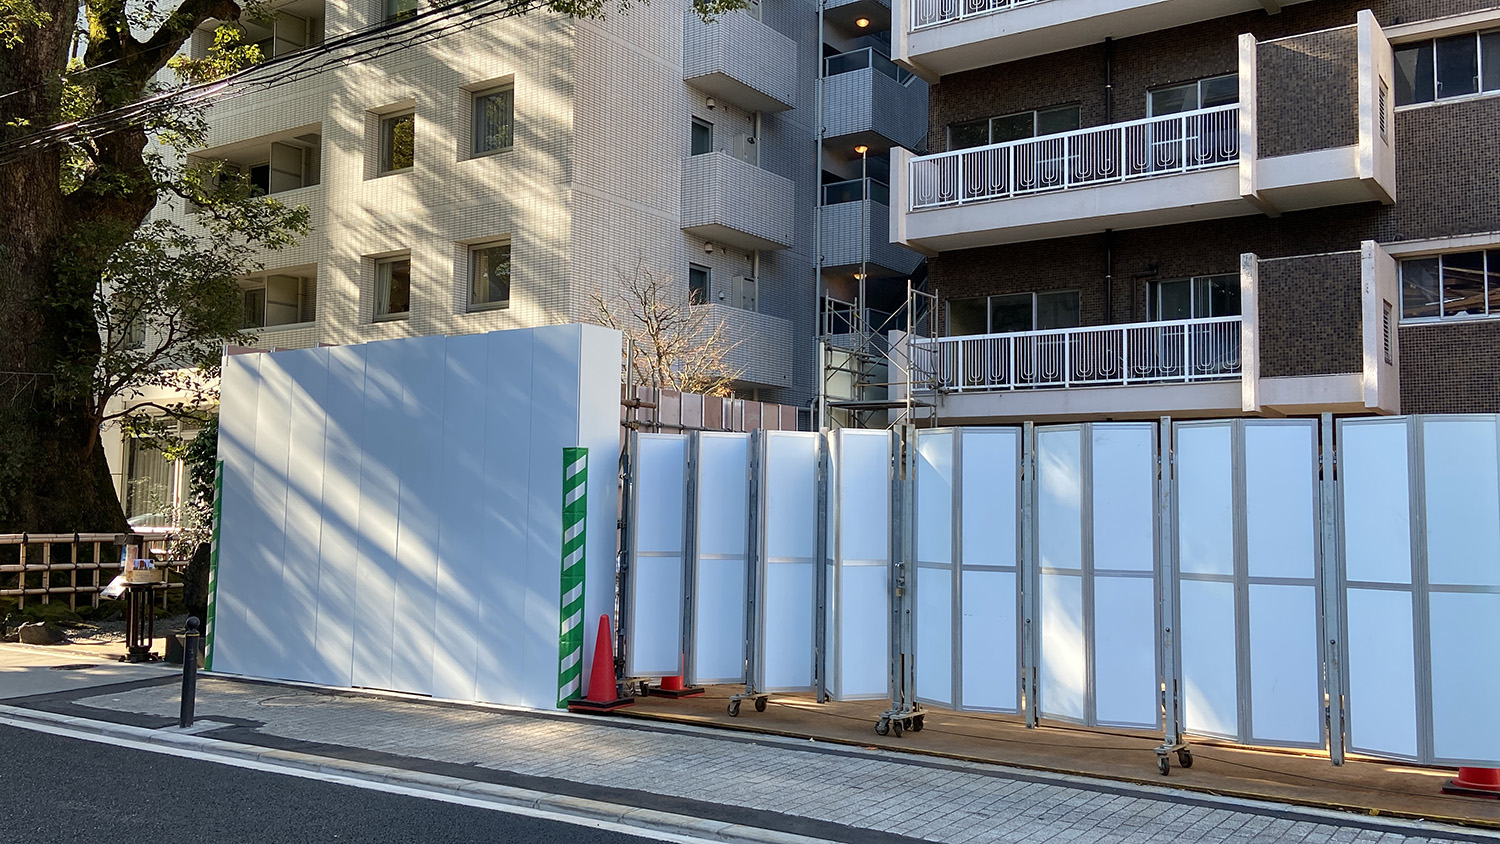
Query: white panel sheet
x,y
862,466
338,540
935,496
864,633
1125,677
990,663
381,445
1064,674
266,613
413,643
1059,456
501,586
1281,499
1209,676
1465,684
1124,497
934,634
1463,500
307,371
722,567
240,393
787,578
1205,499
461,501
1285,701
1374,481
991,509
654,639
1382,688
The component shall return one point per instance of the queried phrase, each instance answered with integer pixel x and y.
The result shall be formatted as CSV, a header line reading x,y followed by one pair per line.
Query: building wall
x,y
1450,367
1310,321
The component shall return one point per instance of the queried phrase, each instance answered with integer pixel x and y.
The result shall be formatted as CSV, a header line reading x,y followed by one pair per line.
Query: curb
x,y
435,785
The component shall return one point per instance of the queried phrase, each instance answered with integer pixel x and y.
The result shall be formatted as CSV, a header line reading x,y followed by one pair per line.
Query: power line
x,y
351,48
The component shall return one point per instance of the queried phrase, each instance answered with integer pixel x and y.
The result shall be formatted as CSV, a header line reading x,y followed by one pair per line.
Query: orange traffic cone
x,y
672,686
603,695
1475,782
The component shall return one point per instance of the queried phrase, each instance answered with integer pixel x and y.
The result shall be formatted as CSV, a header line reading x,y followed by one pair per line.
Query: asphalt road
x,y
56,789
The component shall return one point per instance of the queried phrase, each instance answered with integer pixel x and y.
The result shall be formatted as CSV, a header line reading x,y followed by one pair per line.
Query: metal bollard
x,y
189,673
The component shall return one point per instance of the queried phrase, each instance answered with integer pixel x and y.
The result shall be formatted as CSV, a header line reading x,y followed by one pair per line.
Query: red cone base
x,y
603,695
1475,782
672,687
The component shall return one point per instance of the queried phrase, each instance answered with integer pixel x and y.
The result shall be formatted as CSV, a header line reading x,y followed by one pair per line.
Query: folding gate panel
x,y
658,508
721,564
1420,525
968,519
787,560
1096,557
1248,569
859,564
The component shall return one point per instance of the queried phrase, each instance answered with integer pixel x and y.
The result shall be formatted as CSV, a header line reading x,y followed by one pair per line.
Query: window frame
x,y
388,16
1431,45
384,277
475,98
1153,308
384,165
473,280
1490,272
707,274
1036,117
1197,86
989,312
696,124
306,315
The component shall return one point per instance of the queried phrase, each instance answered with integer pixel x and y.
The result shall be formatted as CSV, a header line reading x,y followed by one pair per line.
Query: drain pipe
x,y
1109,234
820,353
1109,81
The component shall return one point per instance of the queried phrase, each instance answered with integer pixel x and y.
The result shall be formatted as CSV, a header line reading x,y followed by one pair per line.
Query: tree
x,y
80,177
676,345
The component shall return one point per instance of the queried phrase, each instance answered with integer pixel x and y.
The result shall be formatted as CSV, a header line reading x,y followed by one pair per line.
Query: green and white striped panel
x,y
574,519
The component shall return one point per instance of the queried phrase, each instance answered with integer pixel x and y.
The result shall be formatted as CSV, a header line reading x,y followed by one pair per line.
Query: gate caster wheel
x,y
1163,766
906,723
734,709
883,726
896,727
1185,758
760,706
916,724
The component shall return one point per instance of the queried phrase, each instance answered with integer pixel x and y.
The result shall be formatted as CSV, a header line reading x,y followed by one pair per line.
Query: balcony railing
x,y
853,190
861,59
1136,353
934,12
1155,146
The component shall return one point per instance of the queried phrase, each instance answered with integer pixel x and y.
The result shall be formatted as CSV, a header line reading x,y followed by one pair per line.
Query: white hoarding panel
x,y
307,371
1280,500
1463,500
787,575
990,494
990,542
1125,676
721,566
1209,686
338,538
1059,507
1374,485
861,565
1064,667
1465,719
1124,498
935,481
934,635
1205,499
989,659
937,476
421,375
654,641
1285,701
233,646
1382,673
379,508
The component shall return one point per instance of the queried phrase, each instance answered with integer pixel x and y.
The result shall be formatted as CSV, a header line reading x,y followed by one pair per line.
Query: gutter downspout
x,y
1109,234
820,356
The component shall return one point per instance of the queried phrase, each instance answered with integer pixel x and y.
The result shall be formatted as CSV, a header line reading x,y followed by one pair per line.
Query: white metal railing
x,y
1175,143
926,13
1142,352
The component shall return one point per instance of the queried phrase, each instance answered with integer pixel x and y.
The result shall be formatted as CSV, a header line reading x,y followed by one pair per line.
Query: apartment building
x,y
507,174
1204,207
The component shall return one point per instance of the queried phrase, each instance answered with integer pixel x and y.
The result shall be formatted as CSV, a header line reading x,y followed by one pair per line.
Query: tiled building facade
x,y
1328,164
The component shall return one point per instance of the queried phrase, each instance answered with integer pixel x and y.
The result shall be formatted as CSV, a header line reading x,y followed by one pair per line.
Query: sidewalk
x,y
735,786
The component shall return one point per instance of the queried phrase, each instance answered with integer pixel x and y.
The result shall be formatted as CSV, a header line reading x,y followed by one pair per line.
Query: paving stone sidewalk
x,y
879,791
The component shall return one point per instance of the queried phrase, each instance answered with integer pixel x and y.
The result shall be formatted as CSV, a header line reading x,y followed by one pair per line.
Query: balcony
x,y
1311,129
845,214
730,201
740,60
939,37
868,100
756,343
1312,336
